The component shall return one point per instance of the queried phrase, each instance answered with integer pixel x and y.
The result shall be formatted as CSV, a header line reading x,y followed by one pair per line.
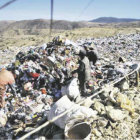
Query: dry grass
x,y
36,37
101,32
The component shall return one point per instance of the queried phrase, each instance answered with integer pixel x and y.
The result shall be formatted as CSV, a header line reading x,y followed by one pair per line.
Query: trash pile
x,y
41,85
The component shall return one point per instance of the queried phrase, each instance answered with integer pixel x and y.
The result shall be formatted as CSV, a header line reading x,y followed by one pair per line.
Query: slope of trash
x,y
43,78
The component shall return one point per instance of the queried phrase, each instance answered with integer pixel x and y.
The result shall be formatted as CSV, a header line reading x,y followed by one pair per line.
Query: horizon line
x,y
72,20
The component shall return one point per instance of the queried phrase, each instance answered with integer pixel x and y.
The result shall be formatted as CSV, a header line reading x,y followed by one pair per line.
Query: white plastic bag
x,y
78,112
71,90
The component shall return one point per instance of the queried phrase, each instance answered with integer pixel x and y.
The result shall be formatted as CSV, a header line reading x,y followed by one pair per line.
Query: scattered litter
x,y
41,82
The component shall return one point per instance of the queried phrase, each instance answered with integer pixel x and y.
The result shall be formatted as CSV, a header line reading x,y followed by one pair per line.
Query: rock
x,y
113,124
102,122
125,86
96,132
99,107
123,130
92,137
115,114
108,131
125,103
88,102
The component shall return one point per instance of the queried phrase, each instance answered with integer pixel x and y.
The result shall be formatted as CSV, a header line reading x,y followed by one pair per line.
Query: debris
x,y
78,131
125,103
39,84
3,119
77,113
114,114
99,107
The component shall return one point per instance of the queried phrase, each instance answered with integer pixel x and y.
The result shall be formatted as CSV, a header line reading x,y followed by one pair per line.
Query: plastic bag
x,y
78,112
72,89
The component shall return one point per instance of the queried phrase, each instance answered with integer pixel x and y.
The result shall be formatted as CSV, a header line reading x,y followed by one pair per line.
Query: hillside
x,y
34,27
113,20
35,32
42,24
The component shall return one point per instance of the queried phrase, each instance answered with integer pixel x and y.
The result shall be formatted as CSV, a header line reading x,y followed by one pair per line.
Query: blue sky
x,y
70,9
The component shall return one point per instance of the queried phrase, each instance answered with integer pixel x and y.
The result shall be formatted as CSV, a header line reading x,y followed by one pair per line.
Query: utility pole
x,y
51,20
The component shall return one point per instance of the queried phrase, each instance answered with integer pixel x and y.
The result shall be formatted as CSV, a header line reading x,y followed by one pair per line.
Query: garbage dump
x,y
41,82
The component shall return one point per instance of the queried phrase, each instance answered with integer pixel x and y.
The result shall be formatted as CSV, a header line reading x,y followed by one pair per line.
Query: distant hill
x,y
34,27
113,20
42,24
4,24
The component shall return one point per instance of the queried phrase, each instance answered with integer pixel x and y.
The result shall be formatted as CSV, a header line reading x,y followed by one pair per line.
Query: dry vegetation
x,y
36,32
101,32
22,37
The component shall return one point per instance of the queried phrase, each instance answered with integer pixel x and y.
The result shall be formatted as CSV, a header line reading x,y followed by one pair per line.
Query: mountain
x,y
42,24
5,23
36,26
113,20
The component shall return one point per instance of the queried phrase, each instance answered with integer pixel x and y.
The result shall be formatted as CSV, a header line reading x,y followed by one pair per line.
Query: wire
x,y
86,7
82,12
6,4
